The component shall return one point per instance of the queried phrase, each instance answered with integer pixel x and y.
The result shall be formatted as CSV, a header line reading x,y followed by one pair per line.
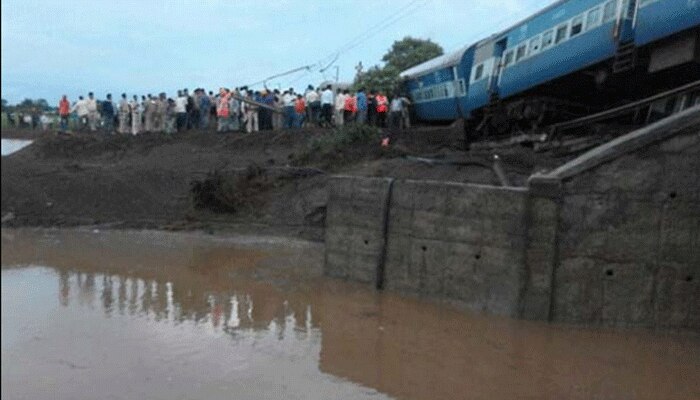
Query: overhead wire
x,y
403,12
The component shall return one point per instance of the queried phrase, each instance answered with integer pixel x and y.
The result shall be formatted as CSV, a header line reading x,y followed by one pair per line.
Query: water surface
x,y
124,315
10,146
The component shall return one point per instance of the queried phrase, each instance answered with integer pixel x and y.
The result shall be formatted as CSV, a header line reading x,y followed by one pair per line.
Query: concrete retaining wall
x,y
610,238
457,241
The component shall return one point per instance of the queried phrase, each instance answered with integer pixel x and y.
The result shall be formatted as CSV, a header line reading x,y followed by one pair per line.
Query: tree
x,y
4,104
42,104
409,52
402,55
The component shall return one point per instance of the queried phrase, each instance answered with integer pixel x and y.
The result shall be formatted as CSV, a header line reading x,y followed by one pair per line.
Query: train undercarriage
x,y
662,67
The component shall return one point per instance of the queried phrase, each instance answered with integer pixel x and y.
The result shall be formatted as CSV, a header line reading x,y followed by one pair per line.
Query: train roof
x,y
443,61
502,32
453,58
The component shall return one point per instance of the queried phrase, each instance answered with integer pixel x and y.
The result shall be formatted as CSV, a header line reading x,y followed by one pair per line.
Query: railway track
x,y
583,133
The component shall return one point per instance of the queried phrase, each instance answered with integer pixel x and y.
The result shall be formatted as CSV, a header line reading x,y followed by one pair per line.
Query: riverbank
x,y
263,183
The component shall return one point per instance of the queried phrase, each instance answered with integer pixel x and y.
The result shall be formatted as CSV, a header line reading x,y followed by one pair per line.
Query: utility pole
x,y
337,74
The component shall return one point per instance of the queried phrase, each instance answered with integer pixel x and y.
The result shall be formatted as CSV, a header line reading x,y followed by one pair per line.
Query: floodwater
x,y
148,315
10,146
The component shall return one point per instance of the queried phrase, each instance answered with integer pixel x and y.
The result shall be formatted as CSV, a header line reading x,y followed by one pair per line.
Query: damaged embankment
x,y
266,182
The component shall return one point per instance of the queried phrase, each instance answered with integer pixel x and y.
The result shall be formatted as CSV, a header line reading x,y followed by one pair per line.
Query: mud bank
x,y
275,182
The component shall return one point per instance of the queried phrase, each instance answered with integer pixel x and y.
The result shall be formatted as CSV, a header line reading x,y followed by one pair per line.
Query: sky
x,y
56,47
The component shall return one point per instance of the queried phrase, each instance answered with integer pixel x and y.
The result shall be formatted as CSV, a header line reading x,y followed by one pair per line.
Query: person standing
x,y
405,114
149,110
181,111
350,107
124,114
361,100
382,109
235,111
108,114
250,111
162,105
192,109
289,101
93,115
395,112
327,106
277,116
135,109
300,111
170,116
64,112
313,102
204,106
372,108
339,107
80,108
222,110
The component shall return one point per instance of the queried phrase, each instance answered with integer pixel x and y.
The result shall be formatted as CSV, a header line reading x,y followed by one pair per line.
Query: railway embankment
x,y
609,238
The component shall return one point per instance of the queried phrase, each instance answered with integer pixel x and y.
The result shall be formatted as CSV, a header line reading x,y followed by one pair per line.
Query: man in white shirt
x,y
339,107
288,100
181,110
313,106
327,106
93,115
80,108
395,112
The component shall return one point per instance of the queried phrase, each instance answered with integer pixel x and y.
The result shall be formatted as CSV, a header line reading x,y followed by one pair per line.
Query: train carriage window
x,y
520,52
561,33
609,10
534,46
576,25
547,39
508,58
593,18
479,73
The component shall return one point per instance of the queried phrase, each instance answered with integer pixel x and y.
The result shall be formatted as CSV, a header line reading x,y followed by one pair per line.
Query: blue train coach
x,y
571,57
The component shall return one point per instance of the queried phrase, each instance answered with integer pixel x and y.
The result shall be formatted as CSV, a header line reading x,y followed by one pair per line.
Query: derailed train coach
x,y
571,58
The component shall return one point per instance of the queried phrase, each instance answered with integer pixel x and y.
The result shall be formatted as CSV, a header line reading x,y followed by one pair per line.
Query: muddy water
x,y
127,315
10,146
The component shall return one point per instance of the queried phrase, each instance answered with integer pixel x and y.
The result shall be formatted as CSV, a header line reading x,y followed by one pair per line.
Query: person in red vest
x,y
382,108
300,111
350,107
64,112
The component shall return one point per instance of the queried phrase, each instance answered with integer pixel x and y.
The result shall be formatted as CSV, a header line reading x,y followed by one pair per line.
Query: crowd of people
x,y
239,109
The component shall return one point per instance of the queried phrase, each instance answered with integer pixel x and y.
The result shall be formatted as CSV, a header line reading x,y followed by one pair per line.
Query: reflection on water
x,y
154,315
10,146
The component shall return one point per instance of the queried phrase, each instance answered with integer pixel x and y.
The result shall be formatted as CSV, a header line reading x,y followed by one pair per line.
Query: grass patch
x,y
341,144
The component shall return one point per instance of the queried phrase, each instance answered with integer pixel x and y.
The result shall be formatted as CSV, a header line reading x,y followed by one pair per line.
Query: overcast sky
x,y
54,47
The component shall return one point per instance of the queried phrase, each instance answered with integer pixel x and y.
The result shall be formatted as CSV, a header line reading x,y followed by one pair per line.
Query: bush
x,y
338,141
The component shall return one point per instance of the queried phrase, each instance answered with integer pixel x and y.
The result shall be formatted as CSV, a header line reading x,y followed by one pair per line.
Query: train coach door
x,y
626,21
498,49
626,54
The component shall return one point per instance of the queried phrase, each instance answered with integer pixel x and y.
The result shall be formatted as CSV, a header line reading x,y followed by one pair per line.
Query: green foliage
x,y
404,54
341,139
4,105
409,52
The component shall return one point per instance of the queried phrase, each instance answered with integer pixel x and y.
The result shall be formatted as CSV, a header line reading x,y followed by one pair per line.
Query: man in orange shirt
x,y
64,112
300,110
350,107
